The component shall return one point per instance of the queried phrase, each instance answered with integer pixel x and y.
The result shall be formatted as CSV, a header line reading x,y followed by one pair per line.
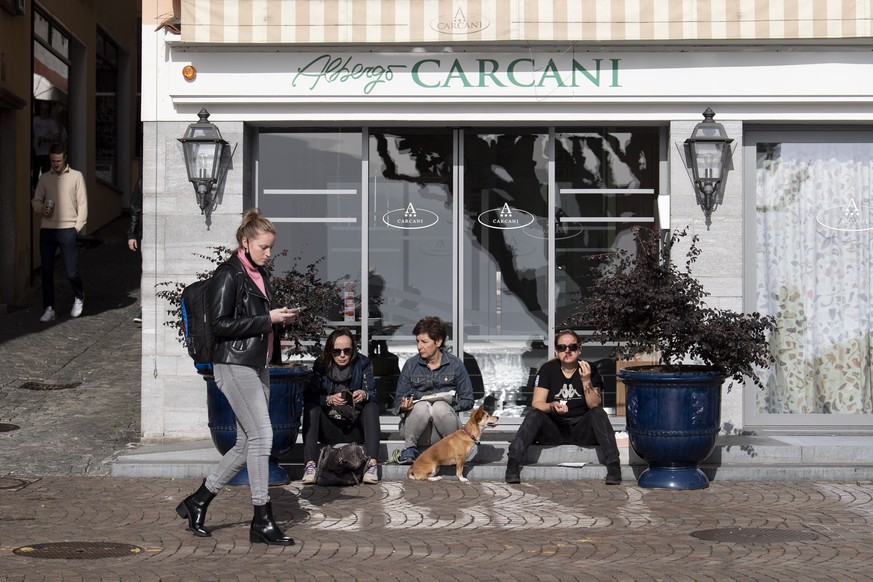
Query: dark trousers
x,y
50,239
591,429
319,429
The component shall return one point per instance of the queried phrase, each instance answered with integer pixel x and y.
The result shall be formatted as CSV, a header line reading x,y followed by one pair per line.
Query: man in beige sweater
x,y
62,201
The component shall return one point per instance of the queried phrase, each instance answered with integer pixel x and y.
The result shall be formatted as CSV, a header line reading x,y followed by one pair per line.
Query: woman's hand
x,y
282,315
406,403
359,396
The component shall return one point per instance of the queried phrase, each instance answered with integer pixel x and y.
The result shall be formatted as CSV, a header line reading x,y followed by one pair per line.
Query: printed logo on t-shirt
x,y
567,392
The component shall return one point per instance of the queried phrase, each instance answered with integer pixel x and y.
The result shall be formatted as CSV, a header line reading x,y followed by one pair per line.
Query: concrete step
x,y
735,458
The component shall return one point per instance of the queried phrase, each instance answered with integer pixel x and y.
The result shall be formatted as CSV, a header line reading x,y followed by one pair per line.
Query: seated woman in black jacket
x,y
328,418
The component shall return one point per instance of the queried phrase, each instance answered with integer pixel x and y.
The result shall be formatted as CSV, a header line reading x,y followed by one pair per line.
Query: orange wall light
x,y
189,72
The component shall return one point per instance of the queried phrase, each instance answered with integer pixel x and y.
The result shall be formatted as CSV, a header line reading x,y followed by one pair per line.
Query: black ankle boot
x,y
194,508
264,529
513,472
613,474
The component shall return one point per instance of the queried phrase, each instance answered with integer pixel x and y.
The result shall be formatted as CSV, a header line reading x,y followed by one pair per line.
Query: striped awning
x,y
579,21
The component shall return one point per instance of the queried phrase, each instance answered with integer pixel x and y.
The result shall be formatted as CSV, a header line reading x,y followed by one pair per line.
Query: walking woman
x,y
328,416
246,327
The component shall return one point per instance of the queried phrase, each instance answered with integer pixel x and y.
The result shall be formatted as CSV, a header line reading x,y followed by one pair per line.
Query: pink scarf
x,y
255,275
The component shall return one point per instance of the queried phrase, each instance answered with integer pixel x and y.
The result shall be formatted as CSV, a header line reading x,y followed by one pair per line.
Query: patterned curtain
x,y
814,267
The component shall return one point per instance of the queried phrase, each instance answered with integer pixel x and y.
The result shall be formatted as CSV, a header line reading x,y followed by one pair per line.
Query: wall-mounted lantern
x,y
203,147
708,152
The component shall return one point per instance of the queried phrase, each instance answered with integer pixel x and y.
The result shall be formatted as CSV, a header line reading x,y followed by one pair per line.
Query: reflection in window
x,y
106,115
309,184
51,79
505,202
606,185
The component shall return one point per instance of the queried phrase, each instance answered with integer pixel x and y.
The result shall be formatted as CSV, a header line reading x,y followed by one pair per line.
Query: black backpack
x,y
196,325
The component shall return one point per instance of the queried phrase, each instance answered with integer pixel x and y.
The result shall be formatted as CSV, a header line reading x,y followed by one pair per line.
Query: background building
x,y
464,158
68,72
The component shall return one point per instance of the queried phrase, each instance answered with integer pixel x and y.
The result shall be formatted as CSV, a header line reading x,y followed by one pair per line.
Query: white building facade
x,y
466,159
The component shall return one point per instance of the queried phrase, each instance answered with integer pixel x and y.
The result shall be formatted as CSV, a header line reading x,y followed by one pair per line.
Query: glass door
x,y
504,240
411,243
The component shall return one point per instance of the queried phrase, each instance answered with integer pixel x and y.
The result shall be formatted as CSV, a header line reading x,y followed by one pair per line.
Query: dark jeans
x,y
592,429
50,239
319,429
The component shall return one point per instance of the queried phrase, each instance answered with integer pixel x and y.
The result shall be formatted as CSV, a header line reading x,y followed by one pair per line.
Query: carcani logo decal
x,y
410,218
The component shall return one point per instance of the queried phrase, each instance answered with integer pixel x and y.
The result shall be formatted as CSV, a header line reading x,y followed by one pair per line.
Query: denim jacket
x,y
419,380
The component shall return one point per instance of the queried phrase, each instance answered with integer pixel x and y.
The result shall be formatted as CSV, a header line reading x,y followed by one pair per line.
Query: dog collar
x,y
472,438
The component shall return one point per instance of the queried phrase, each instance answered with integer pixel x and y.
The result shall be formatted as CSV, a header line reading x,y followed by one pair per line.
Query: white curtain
x,y
814,233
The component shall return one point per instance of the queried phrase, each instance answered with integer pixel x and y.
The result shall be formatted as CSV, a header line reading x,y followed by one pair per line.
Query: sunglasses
x,y
566,347
342,351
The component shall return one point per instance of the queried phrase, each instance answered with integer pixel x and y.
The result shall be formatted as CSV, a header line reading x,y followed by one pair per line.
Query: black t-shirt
x,y
566,389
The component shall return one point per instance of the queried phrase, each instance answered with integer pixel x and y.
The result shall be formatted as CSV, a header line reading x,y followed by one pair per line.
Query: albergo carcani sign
x,y
355,73
573,75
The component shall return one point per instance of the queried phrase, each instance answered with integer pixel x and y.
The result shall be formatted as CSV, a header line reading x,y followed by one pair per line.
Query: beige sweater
x,y
67,189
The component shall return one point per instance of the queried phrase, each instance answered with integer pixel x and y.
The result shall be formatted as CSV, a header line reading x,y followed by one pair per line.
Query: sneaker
x,y
138,318
513,472
78,304
613,474
49,315
309,473
407,456
372,474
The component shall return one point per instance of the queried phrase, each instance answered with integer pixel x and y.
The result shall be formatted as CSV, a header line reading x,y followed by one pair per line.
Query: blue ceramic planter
x,y
673,420
285,407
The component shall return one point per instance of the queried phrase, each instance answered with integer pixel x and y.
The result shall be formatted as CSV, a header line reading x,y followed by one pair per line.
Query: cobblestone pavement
x,y
401,530
54,489
88,368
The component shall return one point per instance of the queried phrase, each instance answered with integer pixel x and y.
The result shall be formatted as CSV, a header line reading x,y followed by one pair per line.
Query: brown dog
x,y
452,448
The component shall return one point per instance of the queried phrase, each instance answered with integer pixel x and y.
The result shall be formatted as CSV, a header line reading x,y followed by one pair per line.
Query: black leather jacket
x,y
241,329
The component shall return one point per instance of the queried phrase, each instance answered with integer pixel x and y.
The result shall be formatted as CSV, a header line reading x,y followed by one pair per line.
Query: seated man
x,y
425,415
566,410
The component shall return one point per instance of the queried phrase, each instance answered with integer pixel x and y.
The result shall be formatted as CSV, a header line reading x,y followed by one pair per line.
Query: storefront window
x,y
309,184
411,245
814,224
606,185
51,81
457,225
106,115
506,269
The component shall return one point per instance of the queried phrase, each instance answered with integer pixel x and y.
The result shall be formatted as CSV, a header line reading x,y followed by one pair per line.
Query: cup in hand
x,y
49,207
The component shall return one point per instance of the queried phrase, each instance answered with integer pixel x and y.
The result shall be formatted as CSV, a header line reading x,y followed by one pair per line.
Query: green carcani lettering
x,y
551,71
595,79
417,80
615,72
483,73
510,72
456,72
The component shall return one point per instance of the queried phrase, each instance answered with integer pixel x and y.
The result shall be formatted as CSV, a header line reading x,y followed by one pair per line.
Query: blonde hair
x,y
252,225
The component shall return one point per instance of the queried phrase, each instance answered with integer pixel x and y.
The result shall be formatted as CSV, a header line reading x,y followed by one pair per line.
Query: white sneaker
x,y
78,304
49,315
309,473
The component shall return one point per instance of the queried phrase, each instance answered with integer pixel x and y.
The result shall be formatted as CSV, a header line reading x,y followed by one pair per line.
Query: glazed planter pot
x,y
673,420
285,407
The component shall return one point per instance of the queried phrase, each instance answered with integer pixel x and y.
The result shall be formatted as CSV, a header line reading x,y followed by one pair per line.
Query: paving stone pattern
x,y
54,488
74,431
402,530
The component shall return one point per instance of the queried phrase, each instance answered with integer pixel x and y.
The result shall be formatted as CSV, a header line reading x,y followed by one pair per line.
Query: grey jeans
x,y
427,423
248,392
